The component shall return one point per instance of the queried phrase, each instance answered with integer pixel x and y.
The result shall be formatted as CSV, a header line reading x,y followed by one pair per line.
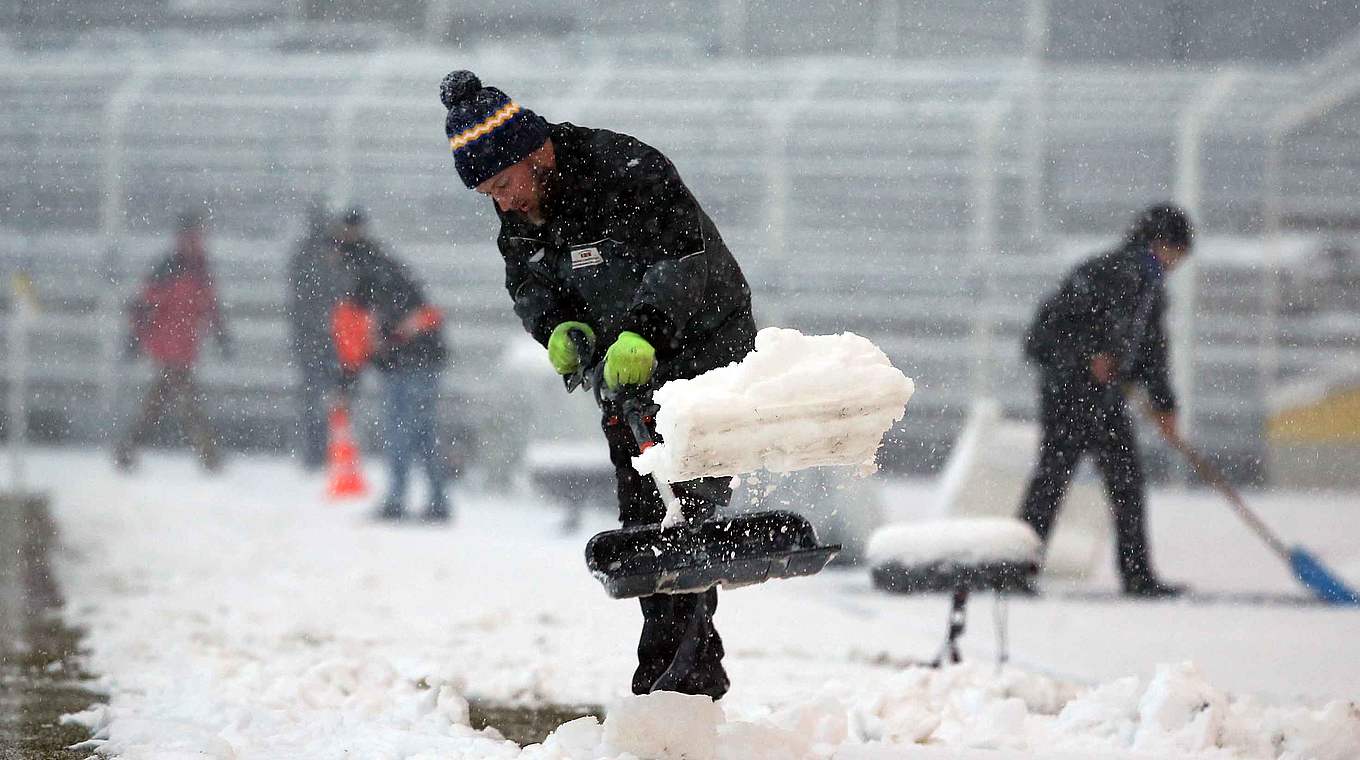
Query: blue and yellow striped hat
x,y
487,130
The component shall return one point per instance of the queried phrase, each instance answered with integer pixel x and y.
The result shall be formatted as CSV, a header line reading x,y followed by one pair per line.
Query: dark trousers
x,y
313,434
176,389
668,619
1080,417
410,409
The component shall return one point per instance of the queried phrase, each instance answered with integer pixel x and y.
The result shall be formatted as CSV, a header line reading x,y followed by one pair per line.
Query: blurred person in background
x,y
407,348
175,308
1101,331
315,285
599,234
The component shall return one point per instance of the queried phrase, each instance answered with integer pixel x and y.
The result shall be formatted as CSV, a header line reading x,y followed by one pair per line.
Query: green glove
x,y
629,361
562,352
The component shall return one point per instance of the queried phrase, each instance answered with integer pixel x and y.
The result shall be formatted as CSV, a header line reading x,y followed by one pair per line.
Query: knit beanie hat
x,y
487,130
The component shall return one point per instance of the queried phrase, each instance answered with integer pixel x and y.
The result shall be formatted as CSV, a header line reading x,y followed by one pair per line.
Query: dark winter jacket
x,y
1115,304
315,284
176,306
627,247
383,286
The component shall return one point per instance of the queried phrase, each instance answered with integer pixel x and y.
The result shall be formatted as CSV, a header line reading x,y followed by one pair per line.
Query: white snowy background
x,y
244,616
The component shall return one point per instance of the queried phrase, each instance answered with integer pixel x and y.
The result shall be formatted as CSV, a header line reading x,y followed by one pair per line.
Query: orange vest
x,y
353,328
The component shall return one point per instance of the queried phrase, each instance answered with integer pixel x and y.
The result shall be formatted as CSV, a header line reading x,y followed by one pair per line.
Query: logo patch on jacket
x,y
586,257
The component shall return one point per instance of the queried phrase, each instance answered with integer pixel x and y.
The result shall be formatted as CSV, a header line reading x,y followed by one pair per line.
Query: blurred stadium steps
x,y
852,196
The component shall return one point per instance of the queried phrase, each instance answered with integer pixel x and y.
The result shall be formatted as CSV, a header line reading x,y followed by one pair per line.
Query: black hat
x,y
487,131
1165,222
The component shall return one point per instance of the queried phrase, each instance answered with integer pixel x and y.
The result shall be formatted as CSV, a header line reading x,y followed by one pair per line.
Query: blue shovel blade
x,y
1322,582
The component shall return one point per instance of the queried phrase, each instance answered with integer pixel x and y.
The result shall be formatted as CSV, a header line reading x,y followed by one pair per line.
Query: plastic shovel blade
x,y
1322,582
738,551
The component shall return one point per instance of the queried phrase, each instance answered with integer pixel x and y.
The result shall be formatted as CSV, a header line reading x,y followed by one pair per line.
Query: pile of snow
x,y
1177,714
797,401
359,710
295,704
957,541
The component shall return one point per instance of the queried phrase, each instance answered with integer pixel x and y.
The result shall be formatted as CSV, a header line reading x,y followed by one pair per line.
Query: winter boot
x,y
438,511
124,458
391,510
1149,587
709,679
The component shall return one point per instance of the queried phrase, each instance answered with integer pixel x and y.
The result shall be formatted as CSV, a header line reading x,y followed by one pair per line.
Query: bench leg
x,y
958,608
1000,619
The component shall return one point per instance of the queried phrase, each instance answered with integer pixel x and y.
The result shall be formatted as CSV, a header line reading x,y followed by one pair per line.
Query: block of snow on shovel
x,y
958,556
795,402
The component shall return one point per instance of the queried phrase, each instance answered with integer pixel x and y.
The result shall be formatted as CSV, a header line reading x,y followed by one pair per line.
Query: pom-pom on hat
x,y
487,130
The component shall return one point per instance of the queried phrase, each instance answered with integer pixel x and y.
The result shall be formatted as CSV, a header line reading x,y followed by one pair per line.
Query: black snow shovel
x,y
704,550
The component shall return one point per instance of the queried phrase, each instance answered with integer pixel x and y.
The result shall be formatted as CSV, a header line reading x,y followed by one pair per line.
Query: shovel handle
x,y
585,358
631,405
1215,478
585,348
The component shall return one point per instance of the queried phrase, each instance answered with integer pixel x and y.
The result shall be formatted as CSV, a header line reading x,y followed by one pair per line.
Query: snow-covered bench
x,y
577,472
957,556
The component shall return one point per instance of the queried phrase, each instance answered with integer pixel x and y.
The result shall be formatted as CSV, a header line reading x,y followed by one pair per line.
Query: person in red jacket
x,y
176,307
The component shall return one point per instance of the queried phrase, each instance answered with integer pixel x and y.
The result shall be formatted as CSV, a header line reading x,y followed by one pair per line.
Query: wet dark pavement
x,y
40,675
525,725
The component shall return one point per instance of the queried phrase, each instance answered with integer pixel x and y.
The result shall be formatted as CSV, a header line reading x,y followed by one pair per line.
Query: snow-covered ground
x,y
243,616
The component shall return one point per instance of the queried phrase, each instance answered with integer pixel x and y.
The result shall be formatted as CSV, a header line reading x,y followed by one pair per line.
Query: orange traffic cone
x,y
345,478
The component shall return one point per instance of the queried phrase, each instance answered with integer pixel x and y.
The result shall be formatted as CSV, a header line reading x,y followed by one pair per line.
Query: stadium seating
x,y
849,194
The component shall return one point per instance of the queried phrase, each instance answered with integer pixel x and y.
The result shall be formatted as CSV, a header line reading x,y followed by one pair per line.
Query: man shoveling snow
x,y
605,246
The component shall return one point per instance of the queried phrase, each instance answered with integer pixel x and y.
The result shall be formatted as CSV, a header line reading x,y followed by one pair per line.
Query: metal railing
x,y
1310,163
927,204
